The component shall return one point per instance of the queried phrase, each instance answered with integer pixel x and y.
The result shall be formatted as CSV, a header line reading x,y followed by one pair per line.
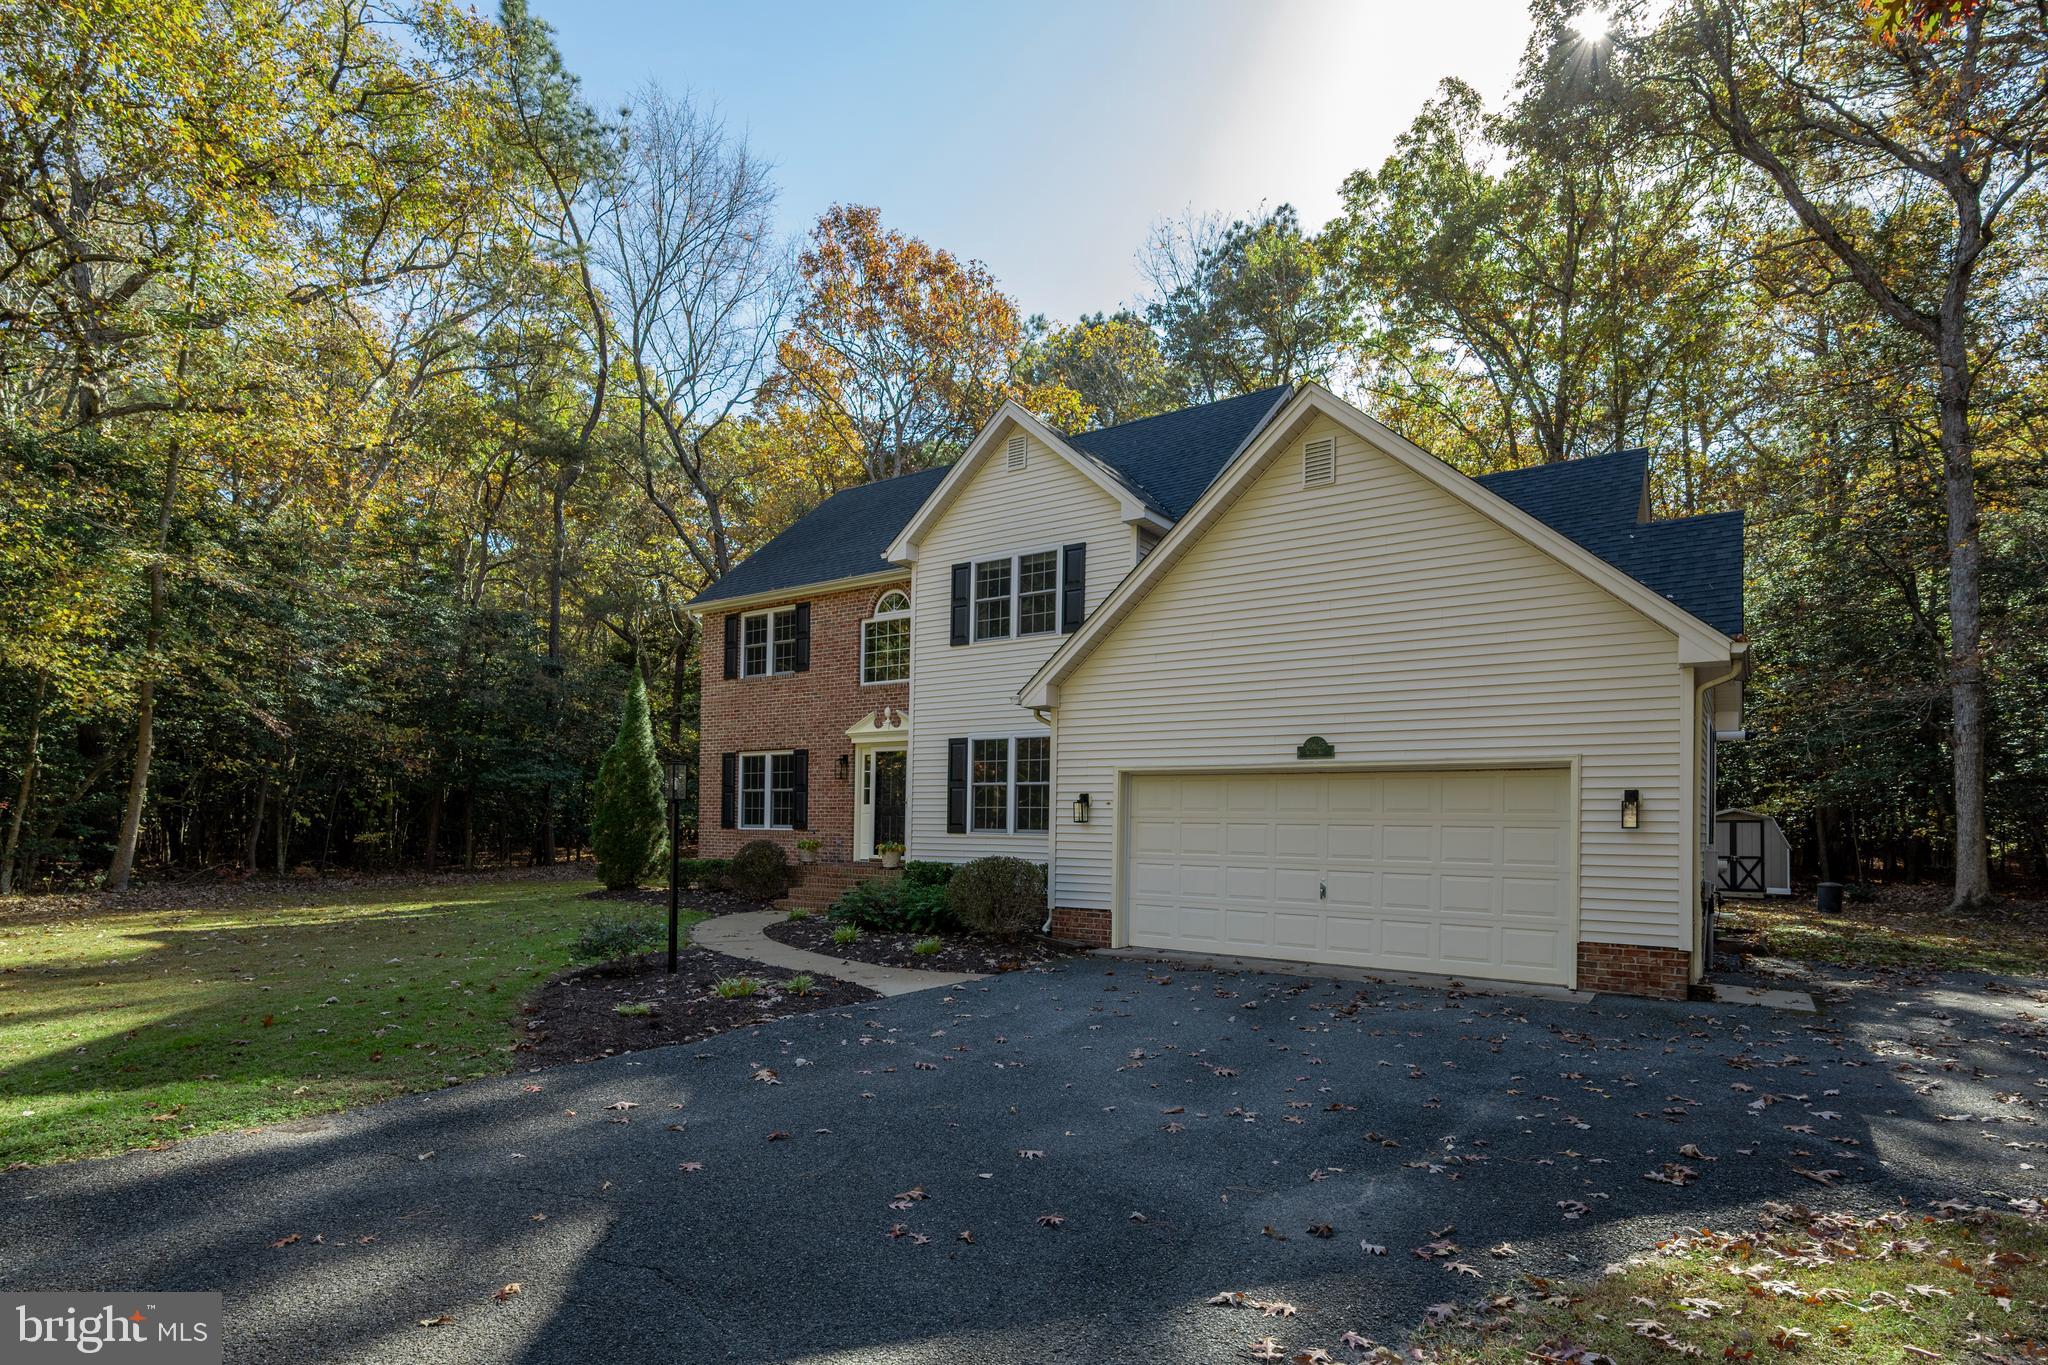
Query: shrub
x,y
759,871
628,832
925,947
633,1010
709,873
734,987
925,872
803,983
1001,897
845,934
798,912
614,938
894,907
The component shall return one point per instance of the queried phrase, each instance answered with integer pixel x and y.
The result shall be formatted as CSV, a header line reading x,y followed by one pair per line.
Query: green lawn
x,y
1803,1287
1905,927
124,1028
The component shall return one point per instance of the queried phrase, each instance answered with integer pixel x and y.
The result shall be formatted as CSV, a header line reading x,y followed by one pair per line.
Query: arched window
x,y
885,640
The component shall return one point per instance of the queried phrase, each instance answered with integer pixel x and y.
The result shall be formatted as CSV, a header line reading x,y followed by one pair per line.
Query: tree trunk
x,y
256,826
283,841
433,842
1966,648
30,754
469,830
145,700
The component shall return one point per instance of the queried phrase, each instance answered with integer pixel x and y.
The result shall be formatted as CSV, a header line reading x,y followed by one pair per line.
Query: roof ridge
x,y
1178,412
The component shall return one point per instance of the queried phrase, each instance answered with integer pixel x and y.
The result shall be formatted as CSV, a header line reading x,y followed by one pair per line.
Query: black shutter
x,y
728,791
800,787
956,786
963,605
803,640
732,645
1073,587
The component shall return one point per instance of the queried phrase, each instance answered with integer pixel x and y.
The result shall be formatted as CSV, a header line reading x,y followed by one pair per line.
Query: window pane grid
x,y
1038,581
989,777
992,599
782,790
754,648
1034,783
785,642
885,650
753,790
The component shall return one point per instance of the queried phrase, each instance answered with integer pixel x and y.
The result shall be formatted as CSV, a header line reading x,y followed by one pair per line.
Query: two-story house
x,y
1256,678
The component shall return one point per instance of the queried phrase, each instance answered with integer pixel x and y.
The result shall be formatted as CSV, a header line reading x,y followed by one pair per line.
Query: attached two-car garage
x,y
1456,872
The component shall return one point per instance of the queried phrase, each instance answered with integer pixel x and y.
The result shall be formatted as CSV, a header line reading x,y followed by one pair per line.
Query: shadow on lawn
x,y
775,1251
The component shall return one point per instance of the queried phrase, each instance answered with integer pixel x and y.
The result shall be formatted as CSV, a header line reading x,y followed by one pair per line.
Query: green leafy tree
x,y
627,833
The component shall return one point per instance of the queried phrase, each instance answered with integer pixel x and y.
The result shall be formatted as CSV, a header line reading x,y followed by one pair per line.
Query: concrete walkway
x,y
743,935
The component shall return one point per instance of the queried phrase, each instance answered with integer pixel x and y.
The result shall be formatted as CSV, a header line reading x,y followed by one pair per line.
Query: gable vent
x,y
1016,453
1319,462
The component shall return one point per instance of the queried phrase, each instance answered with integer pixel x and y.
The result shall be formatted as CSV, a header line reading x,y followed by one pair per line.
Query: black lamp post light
x,y
678,779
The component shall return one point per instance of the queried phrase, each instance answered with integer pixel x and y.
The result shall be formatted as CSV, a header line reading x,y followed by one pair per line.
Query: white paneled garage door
x,y
1466,873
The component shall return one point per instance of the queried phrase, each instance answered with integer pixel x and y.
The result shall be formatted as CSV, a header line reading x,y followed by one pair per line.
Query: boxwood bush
x,y
897,906
759,871
1001,897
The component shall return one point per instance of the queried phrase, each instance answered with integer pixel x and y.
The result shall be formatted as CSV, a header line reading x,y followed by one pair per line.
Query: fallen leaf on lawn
x,y
1438,1313
507,1292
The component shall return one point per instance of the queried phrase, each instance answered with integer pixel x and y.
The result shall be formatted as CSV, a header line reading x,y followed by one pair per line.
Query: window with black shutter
x,y
800,789
803,639
732,646
963,603
1073,586
956,786
728,791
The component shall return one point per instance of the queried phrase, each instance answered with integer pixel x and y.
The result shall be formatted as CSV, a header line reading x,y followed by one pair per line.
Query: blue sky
x,y
1045,138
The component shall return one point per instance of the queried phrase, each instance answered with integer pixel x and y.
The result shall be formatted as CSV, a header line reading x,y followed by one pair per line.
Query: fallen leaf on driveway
x,y
1372,1248
1267,1349
1321,1230
507,1292
1051,1220
441,1321
284,1241
689,1165
1030,1154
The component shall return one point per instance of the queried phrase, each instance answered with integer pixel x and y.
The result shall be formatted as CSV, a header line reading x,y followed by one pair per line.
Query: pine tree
x,y
627,829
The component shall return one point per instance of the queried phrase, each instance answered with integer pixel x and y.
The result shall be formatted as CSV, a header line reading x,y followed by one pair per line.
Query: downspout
x,y
1737,667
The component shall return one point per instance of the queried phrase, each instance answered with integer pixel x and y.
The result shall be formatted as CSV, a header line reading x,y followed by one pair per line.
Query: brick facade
x,y
1632,969
808,710
1089,928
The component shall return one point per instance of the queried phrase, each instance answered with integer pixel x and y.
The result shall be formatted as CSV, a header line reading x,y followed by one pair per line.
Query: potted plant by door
x,y
807,850
891,853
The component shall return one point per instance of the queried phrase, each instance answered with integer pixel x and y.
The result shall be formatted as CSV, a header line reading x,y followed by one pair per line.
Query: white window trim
x,y
789,609
874,618
1059,592
1010,784
767,757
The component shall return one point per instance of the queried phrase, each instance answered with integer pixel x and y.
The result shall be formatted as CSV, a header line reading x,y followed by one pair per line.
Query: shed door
x,y
1464,873
1745,867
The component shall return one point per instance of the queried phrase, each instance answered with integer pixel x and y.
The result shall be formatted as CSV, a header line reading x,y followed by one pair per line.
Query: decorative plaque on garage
x,y
1315,746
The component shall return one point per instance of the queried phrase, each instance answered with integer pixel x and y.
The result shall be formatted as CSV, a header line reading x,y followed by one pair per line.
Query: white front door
x,y
1464,873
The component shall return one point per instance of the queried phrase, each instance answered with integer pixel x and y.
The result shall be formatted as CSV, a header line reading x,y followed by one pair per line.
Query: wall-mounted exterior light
x,y
844,763
1081,809
1631,809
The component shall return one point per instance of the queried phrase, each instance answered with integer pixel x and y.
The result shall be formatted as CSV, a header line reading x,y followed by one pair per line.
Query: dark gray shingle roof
x,y
843,537
1695,562
1171,459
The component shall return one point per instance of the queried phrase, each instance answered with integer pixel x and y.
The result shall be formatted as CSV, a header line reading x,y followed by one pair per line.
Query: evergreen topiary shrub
x,y
1001,897
759,871
628,831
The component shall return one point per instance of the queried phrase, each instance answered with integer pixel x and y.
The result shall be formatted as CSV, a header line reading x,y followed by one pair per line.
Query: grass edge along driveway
x,y
124,1028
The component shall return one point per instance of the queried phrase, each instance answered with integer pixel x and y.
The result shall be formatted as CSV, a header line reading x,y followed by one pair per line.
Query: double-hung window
x,y
1018,595
768,642
1010,784
885,640
767,791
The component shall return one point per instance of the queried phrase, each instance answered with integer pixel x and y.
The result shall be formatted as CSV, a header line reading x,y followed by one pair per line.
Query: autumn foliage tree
x,y
900,350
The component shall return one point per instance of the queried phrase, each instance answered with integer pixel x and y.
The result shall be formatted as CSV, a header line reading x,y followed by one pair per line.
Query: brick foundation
x,y
808,710
1089,928
1632,969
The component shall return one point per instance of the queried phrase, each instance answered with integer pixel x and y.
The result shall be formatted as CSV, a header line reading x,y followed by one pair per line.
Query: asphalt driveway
x,y
1120,1144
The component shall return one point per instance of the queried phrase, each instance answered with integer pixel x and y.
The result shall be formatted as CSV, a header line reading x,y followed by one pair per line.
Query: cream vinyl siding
x,y
1408,630
961,691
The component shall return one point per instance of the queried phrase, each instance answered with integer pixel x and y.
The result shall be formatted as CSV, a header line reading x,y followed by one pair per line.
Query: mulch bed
x,y
962,953
710,902
573,1017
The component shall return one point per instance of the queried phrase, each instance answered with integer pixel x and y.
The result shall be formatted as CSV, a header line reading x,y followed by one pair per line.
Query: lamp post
x,y
678,774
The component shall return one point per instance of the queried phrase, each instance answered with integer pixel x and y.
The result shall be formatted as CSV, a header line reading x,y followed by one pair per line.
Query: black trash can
x,y
1828,898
